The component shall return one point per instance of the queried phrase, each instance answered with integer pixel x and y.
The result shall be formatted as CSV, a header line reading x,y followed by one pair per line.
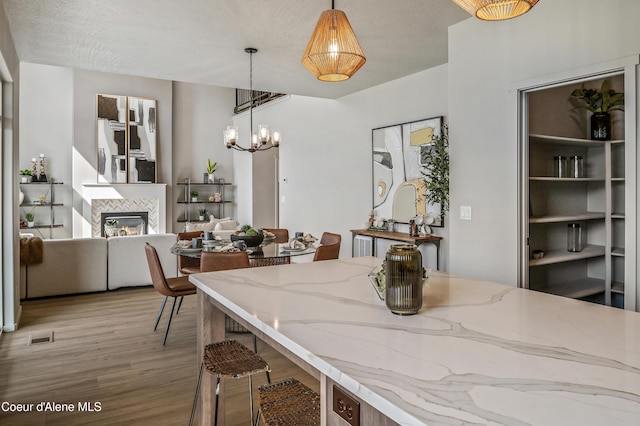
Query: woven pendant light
x,y
333,52
496,10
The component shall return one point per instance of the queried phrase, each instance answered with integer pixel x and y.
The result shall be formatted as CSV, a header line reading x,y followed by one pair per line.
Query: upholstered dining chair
x,y
329,247
282,235
188,265
168,287
223,261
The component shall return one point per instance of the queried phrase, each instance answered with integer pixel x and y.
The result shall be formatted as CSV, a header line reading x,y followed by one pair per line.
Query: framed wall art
x,y
126,139
399,154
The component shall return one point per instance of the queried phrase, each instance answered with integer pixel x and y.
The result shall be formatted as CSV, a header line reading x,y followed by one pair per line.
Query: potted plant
x,y
194,196
436,171
30,222
600,102
25,176
211,168
201,213
110,227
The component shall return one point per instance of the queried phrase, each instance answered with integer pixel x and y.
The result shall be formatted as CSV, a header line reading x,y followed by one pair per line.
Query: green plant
x,y
201,211
25,172
211,167
599,100
112,222
29,217
194,193
436,171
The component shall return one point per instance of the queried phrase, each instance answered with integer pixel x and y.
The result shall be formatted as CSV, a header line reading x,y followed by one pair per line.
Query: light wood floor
x,y
105,351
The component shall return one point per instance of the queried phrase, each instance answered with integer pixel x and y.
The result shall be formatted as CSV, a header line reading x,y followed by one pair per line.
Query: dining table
x,y
477,352
268,253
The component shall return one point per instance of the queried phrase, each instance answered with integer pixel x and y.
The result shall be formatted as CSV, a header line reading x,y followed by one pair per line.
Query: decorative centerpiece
x,y
600,102
403,279
252,237
201,213
194,196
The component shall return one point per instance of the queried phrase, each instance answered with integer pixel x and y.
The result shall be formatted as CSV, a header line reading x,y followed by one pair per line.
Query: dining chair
x,y
224,261
329,247
282,234
168,287
188,265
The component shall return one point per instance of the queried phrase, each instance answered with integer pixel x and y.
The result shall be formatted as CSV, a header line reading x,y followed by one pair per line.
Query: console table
x,y
397,236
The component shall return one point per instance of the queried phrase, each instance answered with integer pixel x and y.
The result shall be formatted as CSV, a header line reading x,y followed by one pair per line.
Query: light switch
x,y
465,212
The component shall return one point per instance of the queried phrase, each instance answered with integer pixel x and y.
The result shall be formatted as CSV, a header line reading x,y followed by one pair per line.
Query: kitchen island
x,y
477,353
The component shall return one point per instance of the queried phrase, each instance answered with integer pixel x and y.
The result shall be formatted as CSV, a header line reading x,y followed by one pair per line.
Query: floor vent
x,y
39,338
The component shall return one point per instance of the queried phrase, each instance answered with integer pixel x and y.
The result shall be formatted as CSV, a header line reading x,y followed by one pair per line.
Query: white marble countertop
x,y
477,353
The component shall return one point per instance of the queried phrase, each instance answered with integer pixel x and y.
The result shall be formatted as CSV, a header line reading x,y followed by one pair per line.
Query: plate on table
x,y
293,249
190,250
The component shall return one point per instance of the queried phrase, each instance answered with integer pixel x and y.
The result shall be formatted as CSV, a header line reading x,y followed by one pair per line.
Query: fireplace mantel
x,y
100,197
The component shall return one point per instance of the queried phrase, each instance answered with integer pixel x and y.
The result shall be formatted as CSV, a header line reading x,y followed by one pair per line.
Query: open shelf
x,y
561,256
581,287
566,218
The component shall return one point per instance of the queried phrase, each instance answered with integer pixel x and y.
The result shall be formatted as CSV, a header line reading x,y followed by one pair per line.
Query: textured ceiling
x,y
203,41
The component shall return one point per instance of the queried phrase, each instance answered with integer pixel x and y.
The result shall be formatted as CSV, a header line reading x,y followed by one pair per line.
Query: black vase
x,y
601,126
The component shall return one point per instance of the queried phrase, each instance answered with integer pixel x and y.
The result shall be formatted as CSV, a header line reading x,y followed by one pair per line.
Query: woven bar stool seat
x,y
289,403
230,359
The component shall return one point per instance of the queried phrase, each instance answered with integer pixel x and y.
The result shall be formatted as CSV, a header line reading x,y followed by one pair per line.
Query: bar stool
x,y
289,403
229,359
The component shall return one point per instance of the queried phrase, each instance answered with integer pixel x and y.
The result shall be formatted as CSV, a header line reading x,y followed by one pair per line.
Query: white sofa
x,y
126,254
83,265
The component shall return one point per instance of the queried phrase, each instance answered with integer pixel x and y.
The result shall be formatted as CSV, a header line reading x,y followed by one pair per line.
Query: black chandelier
x,y
261,140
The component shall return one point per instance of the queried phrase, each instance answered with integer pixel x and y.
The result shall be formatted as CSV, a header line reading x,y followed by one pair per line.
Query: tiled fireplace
x,y
123,198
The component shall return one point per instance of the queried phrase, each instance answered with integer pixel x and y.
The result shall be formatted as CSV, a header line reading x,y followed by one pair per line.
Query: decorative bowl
x,y
250,240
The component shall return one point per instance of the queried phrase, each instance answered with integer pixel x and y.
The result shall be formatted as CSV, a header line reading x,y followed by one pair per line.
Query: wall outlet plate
x,y
346,407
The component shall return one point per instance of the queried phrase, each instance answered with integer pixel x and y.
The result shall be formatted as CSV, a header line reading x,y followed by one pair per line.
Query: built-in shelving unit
x,y
204,199
43,210
597,200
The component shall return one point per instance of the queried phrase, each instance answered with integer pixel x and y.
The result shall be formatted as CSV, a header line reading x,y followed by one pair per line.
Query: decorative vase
x,y
201,218
211,178
21,197
24,179
30,224
403,272
601,126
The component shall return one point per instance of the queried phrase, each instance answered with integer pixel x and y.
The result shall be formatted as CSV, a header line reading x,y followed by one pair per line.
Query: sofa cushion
x,y
127,261
69,266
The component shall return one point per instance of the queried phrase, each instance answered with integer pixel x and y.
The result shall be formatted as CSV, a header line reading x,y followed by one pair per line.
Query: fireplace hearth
x,y
126,223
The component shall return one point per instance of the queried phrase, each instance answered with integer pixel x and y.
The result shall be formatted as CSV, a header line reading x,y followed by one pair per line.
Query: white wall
x,y
46,114
325,154
200,113
486,60
9,96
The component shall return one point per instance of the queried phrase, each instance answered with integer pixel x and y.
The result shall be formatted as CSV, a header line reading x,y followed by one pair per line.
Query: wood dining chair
x,y
188,265
168,287
329,247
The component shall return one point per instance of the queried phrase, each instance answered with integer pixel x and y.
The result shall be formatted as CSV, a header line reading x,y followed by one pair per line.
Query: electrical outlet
x,y
346,407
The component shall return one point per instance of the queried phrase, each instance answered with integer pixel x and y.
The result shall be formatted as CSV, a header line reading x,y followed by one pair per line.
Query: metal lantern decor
x,y
496,10
333,52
